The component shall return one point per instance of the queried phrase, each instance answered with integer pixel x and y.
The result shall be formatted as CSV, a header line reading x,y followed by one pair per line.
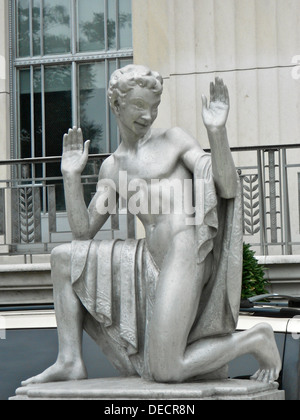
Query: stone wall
x,y
252,44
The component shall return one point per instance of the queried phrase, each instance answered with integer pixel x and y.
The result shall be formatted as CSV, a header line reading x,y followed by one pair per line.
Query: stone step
x,y
25,284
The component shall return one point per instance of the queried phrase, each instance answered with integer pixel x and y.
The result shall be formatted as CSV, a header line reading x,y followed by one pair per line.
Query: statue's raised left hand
x,y
75,154
215,115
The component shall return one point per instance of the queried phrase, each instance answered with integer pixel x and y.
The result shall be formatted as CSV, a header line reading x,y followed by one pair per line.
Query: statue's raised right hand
x,y
75,155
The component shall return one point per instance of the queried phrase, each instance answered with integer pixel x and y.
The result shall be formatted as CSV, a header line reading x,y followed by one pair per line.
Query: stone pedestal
x,y
139,389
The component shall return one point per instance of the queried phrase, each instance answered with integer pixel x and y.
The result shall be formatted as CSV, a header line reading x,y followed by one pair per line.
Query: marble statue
x,y
164,307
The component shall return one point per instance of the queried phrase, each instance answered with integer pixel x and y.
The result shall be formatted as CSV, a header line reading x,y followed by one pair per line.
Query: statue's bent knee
x,y
166,374
165,369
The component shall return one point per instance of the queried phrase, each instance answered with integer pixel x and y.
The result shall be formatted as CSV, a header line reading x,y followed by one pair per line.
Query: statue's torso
x,y
158,188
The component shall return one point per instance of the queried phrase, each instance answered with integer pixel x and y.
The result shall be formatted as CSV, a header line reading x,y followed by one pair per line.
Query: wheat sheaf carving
x,y
251,204
26,215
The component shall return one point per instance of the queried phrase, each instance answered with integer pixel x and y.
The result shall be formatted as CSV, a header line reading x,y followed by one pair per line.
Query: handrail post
x,y
263,232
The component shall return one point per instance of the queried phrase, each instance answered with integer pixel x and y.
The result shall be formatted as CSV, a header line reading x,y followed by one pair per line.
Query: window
x,y
65,52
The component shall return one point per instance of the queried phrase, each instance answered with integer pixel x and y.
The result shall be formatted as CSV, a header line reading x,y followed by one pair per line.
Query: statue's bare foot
x,y
267,355
59,372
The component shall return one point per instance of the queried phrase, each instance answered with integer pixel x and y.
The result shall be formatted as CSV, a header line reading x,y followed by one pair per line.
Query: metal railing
x,y
33,217
270,178
32,208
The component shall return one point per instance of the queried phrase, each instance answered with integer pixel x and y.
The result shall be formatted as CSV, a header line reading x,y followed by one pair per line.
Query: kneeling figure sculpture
x,y
164,307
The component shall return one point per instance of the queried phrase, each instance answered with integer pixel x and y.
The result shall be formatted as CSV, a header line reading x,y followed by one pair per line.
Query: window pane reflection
x,y
57,29
125,23
36,26
58,119
38,127
92,92
100,25
25,119
58,107
91,25
111,25
23,28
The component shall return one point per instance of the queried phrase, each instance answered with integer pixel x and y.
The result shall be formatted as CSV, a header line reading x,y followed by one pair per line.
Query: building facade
x,y
56,59
253,44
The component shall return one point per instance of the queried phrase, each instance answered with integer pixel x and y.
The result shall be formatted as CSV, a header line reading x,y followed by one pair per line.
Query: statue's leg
x,y
70,315
177,296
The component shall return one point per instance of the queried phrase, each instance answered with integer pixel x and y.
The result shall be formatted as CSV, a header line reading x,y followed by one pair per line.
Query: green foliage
x,y
254,282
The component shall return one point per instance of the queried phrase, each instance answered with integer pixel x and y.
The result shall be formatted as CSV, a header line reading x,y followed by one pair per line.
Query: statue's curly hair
x,y
125,79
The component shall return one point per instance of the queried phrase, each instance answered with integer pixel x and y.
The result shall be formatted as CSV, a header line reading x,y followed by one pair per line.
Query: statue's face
x,y
138,110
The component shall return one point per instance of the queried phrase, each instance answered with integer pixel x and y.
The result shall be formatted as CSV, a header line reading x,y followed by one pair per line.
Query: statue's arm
x,y
215,116
84,222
